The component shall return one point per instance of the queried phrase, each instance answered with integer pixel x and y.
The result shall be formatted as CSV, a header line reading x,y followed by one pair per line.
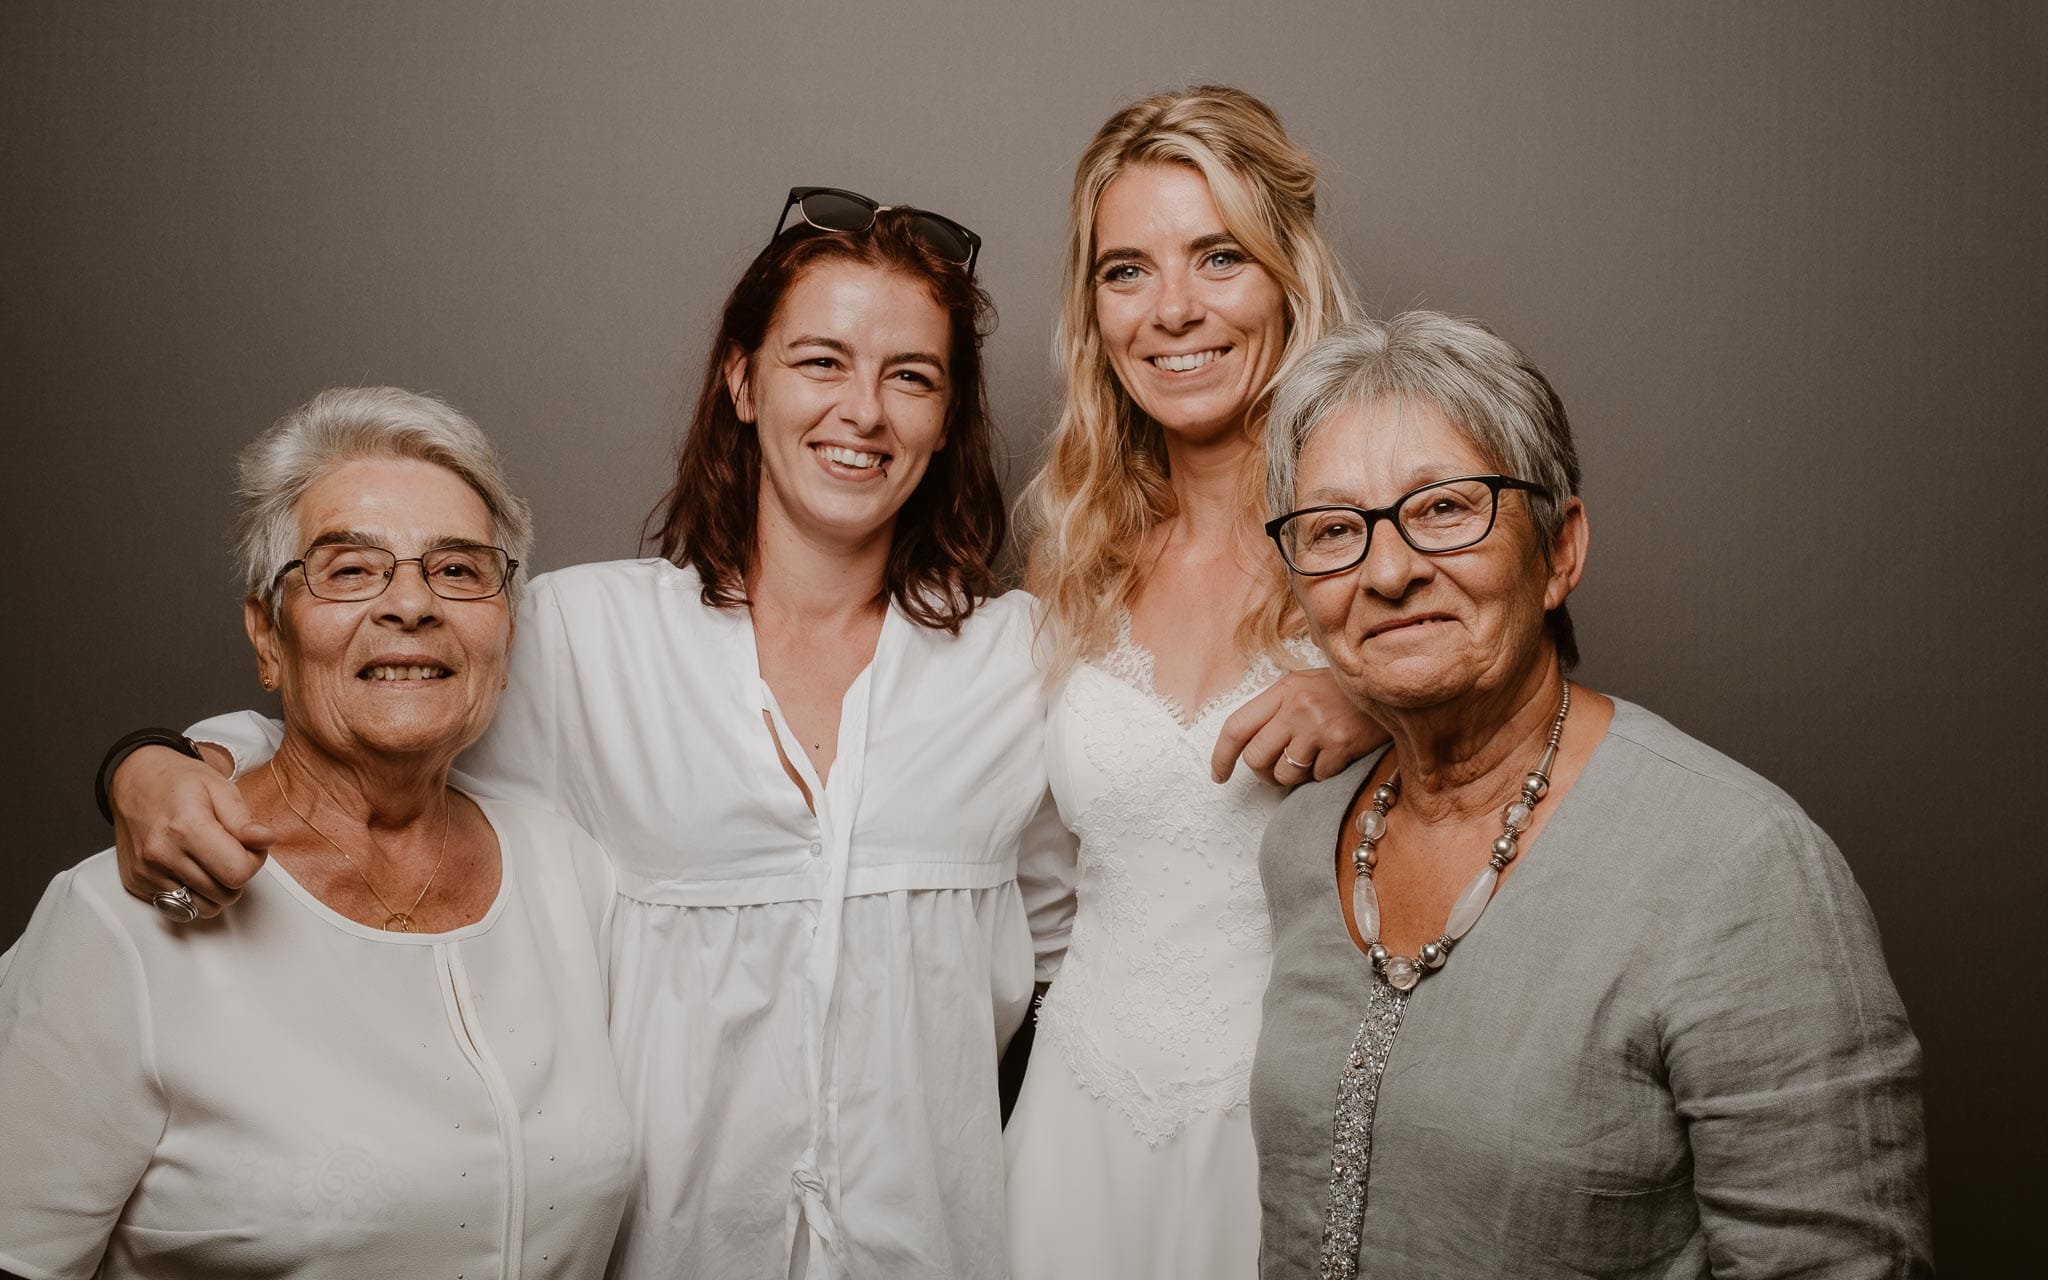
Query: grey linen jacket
x,y
1669,1048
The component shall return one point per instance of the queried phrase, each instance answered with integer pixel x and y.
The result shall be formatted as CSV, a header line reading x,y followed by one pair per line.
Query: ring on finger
x,y
176,904
1296,763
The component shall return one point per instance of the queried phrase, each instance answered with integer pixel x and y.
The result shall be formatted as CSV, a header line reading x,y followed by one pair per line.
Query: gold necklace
x,y
395,921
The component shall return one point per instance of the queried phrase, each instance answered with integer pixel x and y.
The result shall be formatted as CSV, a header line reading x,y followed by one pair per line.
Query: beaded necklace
x,y
1403,972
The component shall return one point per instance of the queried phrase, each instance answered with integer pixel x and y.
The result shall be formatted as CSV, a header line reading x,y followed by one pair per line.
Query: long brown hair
x,y
947,533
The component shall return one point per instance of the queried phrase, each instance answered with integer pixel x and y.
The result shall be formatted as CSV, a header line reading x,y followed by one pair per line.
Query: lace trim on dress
x,y
1358,1100
1125,979
1159,825
1156,1109
1132,663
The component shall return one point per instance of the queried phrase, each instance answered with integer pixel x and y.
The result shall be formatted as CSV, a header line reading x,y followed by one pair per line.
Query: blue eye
x,y
1224,259
1120,273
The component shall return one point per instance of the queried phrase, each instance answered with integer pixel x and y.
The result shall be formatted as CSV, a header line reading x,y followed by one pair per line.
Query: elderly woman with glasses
x,y
1557,990
814,749
392,1058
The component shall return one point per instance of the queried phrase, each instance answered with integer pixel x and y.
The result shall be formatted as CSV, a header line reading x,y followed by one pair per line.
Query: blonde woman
x,y
1195,275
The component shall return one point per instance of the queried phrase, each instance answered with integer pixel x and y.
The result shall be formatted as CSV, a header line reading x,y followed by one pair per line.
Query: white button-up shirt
x,y
806,1007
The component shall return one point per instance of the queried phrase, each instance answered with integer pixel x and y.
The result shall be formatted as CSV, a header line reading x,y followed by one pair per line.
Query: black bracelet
x,y
128,746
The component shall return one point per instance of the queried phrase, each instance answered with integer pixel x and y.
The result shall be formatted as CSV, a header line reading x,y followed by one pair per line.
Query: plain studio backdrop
x,y
1784,263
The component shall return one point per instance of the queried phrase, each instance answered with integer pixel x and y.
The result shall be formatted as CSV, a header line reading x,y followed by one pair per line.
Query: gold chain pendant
x,y
399,923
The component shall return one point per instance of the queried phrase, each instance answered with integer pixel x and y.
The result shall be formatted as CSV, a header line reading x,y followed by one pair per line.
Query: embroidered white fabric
x,y
1130,1152
1156,1008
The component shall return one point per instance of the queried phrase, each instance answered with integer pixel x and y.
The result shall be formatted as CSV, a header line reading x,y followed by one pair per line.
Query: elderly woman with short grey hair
x,y
1557,990
392,1059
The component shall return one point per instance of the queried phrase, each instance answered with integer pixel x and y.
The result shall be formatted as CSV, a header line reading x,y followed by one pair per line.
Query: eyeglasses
x,y
831,209
346,571
1443,515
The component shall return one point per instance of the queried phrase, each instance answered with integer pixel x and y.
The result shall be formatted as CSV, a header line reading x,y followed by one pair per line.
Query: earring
x,y
268,681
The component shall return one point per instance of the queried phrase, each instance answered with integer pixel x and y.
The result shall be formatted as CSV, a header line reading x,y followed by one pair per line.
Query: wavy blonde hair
x,y
1104,485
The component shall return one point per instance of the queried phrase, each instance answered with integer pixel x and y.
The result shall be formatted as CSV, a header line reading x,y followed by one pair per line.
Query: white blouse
x,y
806,1008
285,1091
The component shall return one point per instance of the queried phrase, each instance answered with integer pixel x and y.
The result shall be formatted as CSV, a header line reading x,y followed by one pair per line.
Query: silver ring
x,y
176,904
1296,763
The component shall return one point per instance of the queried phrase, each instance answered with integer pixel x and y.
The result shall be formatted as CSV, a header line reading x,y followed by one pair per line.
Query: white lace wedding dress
x,y
1130,1150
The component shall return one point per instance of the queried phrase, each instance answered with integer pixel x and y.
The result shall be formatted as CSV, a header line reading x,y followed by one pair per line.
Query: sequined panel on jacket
x,y
1358,1097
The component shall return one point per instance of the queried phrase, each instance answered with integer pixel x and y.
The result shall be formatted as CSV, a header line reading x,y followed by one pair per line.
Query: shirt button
x,y
817,850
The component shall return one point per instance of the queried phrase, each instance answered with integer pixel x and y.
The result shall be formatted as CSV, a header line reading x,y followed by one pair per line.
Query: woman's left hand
x,y
1301,727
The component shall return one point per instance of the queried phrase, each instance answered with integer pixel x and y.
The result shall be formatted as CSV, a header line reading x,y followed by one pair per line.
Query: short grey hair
x,y
1484,385
346,424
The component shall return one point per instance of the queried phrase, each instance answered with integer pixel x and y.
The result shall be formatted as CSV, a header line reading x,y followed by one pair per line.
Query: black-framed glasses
x,y
834,209
353,571
1443,515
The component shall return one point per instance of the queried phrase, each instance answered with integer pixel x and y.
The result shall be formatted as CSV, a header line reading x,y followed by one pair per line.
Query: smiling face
x,y
1407,631
407,674
848,396
1192,326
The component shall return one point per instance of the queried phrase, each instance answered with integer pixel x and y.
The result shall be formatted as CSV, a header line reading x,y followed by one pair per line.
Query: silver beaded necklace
x,y
1403,972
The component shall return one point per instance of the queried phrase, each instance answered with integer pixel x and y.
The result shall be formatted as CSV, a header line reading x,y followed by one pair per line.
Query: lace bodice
x,y
1157,1006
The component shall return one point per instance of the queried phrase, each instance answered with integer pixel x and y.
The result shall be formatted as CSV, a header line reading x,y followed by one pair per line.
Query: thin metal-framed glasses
x,y
1443,515
355,571
835,209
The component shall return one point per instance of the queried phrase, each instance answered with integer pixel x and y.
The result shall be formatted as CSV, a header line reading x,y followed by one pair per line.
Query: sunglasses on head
x,y
832,209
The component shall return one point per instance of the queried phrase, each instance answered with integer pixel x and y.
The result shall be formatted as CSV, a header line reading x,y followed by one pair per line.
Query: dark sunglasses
x,y
831,209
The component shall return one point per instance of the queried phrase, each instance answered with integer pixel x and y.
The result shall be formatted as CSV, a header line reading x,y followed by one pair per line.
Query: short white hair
x,y
346,424
1484,386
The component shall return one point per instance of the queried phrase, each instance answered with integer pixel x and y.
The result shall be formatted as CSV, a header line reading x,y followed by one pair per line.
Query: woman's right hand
x,y
180,822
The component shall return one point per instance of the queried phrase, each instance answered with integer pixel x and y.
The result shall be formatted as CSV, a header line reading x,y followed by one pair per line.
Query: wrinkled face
x,y
1192,326
848,395
1406,630
407,674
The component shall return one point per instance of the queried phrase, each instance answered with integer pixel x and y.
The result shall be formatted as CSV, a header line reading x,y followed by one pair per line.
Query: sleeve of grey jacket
x,y
1791,1063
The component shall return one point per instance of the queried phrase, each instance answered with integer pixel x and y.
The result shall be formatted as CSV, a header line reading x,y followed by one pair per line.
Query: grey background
x,y
1784,262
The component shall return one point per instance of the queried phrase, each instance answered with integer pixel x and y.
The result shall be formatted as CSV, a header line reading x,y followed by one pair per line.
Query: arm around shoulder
x,y
248,737
518,756
180,824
